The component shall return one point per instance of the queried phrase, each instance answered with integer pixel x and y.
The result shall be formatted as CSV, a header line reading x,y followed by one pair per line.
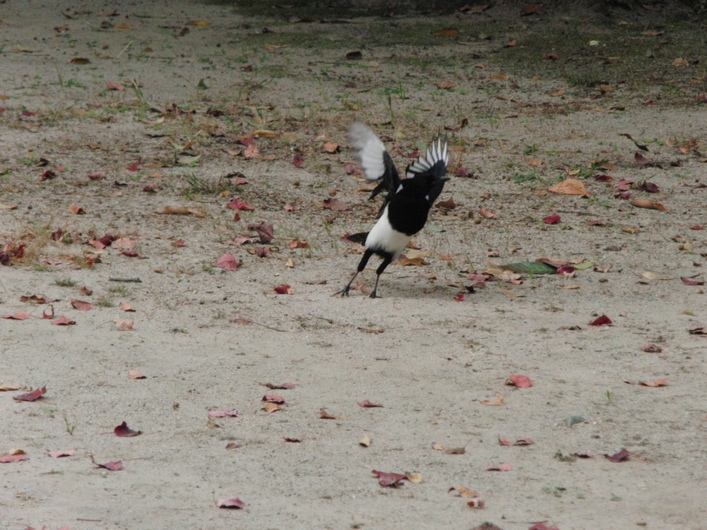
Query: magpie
x,y
407,202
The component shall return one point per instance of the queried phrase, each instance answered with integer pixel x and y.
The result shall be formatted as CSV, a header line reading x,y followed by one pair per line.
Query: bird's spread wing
x,y
374,159
434,161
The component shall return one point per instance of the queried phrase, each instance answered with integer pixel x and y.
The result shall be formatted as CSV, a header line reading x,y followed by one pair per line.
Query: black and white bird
x,y
408,201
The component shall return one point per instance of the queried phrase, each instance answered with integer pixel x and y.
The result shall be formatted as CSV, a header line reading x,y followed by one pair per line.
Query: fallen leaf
x,y
270,407
619,457
569,187
80,60
8,458
500,467
475,503
134,374
455,451
110,466
80,305
688,281
655,383
283,289
499,77
228,262
124,325
459,297
20,315
415,478
237,204
444,85
283,386
365,441
181,210
62,454
251,151
293,440
552,219
124,306
273,398
487,214
446,32
680,62
698,331
76,210
463,492
449,204
647,203
265,231
124,431
31,396
368,405
331,147
389,480
519,381
231,503
601,321
198,23
297,160
333,204
651,348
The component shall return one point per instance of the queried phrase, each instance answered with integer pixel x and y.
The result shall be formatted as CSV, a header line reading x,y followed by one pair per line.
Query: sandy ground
x,y
208,339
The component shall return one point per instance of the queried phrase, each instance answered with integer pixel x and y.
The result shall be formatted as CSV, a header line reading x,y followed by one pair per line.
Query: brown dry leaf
x,y
455,451
437,446
124,325
76,210
447,32
8,206
648,275
499,401
270,407
571,287
487,214
181,210
569,187
265,133
411,262
415,478
80,60
535,162
365,441
331,147
499,77
557,94
631,230
444,85
463,492
323,414
647,203
679,62
198,23
124,26
124,306
11,388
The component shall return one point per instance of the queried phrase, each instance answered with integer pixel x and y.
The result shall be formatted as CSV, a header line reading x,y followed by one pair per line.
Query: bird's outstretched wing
x,y
374,159
434,161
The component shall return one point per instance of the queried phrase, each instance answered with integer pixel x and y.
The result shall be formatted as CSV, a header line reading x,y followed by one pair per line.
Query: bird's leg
x,y
379,271
361,265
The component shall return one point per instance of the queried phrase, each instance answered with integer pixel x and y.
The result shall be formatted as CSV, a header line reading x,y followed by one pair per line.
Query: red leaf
x,y
110,466
133,166
283,289
603,178
237,204
48,313
227,262
134,374
297,160
223,413
96,175
8,459
462,172
519,381
551,219
266,232
232,503
649,187
368,405
76,210
261,252
179,243
31,396
656,383
297,244
20,315
640,159
273,398
601,321
124,431
250,151
293,440
389,480
551,56
500,467
47,175
620,456
624,185
323,414
80,305
687,281
696,227
63,321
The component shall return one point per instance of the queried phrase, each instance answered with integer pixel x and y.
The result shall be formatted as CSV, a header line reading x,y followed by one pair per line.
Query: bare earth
x,y
208,339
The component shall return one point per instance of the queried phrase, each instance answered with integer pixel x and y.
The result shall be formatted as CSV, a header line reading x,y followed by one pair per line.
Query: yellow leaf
x,y
123,26
198,23
271,407
415,478
569,187
499,77
365,441
463,492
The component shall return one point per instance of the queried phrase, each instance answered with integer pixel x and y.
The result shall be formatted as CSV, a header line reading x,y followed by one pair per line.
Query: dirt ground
x,y
113,111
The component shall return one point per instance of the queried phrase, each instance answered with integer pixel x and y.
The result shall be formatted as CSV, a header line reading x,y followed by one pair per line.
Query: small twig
x,y
123,50
127,280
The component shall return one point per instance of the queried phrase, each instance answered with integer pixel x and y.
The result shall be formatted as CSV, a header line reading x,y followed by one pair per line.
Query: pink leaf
x,y
601,321
133,166
687,281
227,262
110,85
459,297
551,219
237,204
519,381
368,405
389,480
250,151
619,457
110,466
232,503
8,459
20,315
651,348
63,321
273,398
655,383
124,306
297,160
124,431
283,289
265,231
134,374
124,325
31,396
80,305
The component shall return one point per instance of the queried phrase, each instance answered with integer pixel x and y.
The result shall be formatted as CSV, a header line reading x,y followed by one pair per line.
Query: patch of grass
x,y
119,289
196,186
104,301
65,282
519,178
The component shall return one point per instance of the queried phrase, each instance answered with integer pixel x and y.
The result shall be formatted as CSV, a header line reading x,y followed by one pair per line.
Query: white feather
x,y
369,150
384,237
437,151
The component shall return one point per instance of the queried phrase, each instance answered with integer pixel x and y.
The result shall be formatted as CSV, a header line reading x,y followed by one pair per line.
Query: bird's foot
x,y
374,294
343,292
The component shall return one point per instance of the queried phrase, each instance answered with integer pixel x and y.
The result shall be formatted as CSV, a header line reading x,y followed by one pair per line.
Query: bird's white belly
x,y
384,237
